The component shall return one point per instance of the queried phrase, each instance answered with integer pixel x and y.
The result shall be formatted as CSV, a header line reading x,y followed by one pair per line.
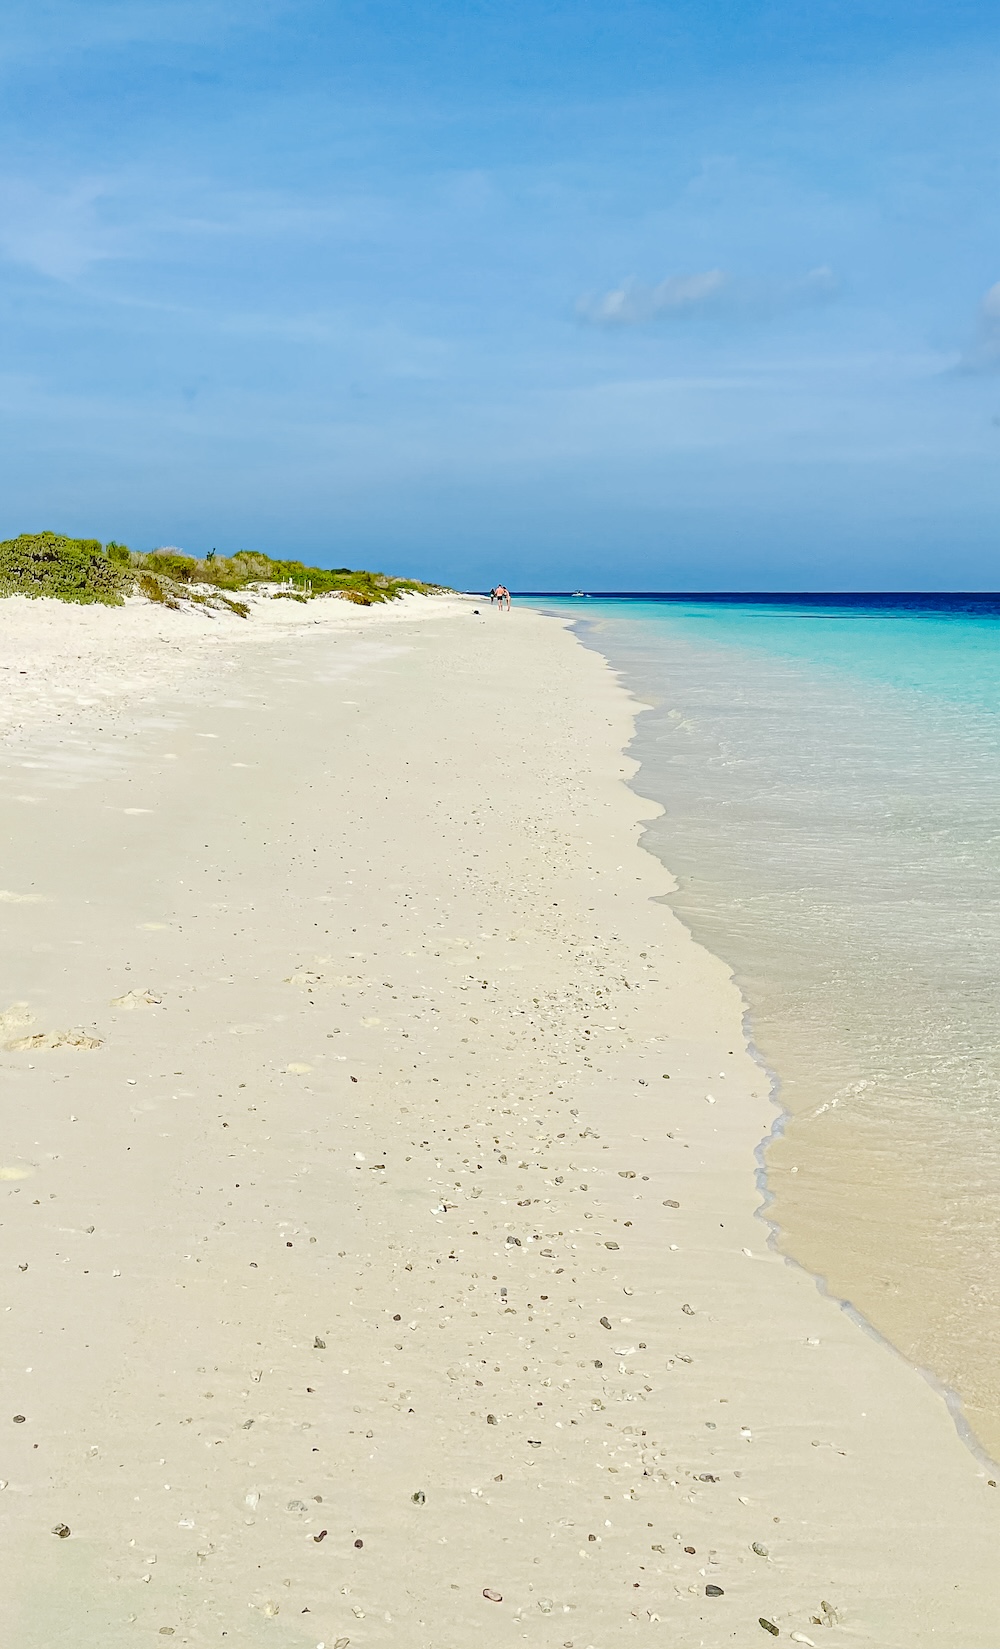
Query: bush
x,y
81,569
70,569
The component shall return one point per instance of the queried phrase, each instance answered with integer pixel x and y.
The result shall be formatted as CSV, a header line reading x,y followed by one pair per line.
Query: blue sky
x,y
572,294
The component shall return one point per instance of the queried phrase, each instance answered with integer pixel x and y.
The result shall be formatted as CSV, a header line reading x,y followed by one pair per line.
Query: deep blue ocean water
x,y
829,767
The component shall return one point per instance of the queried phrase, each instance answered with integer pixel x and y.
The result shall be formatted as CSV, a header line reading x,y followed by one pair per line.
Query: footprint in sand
x,y
308,978
17,1016
14,1017
136,999
52,1039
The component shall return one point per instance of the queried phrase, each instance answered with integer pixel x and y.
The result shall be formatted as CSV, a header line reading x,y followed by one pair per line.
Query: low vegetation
x,y
84,570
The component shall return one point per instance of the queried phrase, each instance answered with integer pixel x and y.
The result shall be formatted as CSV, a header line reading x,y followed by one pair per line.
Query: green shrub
x,y
71,569
81,569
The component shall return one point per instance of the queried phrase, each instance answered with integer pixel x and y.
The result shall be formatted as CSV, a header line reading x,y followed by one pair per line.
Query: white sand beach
x,y
384,1259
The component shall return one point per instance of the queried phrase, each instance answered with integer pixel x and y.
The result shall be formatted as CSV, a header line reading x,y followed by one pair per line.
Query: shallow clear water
x,y
831,780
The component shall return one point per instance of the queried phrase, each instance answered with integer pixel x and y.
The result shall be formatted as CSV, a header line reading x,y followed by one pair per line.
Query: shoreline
x,y
844,1187
951,1397
475,948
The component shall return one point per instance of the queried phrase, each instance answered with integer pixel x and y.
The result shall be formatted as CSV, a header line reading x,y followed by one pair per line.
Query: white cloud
x,y
632,303
636,304
983,354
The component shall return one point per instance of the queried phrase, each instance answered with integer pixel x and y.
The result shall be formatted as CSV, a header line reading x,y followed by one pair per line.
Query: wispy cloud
x,y
635,303
983,354
55,232
53,29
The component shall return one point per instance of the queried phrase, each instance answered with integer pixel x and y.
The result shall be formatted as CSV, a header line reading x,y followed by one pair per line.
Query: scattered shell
x,y
670,1203
492,1597
714,1591
318,1344
321,1536
19,1419
419,1498
611,1245
768,1626
62,1530
688,1310
605,1323
491,1420
761,1551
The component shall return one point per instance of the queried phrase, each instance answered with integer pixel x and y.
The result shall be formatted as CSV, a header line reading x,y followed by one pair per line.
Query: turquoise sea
x,y
829,769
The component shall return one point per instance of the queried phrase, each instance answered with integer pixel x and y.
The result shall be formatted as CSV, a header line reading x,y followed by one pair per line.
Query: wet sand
x,y
392,1270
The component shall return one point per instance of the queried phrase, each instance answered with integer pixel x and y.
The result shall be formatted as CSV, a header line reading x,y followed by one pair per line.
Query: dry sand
x,y
393,1270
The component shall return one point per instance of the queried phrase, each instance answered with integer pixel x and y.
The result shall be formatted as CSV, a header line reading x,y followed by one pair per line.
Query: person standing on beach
x,y
503,597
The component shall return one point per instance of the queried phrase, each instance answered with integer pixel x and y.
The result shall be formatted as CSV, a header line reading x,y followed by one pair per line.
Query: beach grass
x,y
84,570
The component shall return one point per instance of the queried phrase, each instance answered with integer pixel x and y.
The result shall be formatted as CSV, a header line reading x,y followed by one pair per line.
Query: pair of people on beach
x,y
501,595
